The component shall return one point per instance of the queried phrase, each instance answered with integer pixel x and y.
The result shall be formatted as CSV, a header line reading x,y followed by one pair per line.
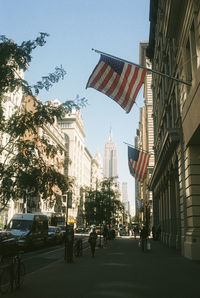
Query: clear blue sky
x,y
75,27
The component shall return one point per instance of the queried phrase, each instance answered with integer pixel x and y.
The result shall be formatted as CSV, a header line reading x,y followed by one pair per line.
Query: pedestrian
x,y
69,243
92,241
105,234
143,237
158,233
154,232
135,232
113,234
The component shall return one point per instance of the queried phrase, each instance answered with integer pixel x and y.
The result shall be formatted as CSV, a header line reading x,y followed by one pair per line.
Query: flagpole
x,y
136,148
140,66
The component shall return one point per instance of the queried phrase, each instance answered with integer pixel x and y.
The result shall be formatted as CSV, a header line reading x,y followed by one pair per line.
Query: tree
x,y
22,166
102,205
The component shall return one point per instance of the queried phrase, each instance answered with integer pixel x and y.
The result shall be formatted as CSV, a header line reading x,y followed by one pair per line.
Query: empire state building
x,y
110,158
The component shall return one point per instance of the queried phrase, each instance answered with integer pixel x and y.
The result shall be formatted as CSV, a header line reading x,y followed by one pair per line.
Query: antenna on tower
x,y
110,136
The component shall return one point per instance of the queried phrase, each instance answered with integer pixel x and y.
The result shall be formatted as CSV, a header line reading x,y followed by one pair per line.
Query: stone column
x,y
172,210
192,174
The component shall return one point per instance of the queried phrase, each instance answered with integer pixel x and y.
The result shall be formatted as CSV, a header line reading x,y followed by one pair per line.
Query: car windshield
x,y
22,225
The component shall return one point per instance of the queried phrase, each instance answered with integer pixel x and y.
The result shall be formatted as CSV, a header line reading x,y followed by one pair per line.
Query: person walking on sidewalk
x,y
105,234
143,237
92,241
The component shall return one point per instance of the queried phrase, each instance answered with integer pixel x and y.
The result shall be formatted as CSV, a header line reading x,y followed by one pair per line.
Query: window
x,y
193,49
65,124
188,67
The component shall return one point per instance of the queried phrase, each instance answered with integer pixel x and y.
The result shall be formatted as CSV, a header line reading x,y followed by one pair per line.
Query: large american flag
x,y
119,80
138,162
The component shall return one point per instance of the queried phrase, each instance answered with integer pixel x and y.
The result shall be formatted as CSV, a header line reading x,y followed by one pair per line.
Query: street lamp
x,y
68,205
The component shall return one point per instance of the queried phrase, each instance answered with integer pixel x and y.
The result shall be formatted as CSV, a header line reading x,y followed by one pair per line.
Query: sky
x,y
75,27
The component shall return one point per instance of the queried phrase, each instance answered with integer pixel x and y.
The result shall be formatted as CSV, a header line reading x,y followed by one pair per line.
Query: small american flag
x,y
138,162
119,80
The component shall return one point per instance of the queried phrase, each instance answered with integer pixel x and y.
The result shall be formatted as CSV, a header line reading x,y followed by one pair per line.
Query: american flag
x,y
119,80
138,162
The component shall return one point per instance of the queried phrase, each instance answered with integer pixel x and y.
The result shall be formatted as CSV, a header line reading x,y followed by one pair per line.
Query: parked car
x,y
8,244
54,235
31,229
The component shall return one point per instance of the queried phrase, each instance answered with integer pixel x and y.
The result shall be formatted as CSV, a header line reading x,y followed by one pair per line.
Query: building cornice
x,y
74,118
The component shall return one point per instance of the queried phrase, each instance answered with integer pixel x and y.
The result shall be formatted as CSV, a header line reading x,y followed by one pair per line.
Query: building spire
x,y
110,136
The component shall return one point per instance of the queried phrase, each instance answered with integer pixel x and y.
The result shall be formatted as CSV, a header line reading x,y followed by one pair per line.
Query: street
x,y
37,259
119,270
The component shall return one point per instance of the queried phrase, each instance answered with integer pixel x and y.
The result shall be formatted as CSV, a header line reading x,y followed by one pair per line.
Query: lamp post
x,y
68,205
66,223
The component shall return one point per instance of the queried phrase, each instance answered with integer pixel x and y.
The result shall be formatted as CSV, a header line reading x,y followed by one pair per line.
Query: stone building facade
x,y
174,49
72,127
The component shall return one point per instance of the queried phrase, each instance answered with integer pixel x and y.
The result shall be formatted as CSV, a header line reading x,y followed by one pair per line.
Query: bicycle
x,y
12,274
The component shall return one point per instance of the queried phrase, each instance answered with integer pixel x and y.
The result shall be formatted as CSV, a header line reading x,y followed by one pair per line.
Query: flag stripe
x,y
104,84
136,88
141,165
113,85
128,75
98,74
108,78
118,86
143,74
123,84
147,162
127,96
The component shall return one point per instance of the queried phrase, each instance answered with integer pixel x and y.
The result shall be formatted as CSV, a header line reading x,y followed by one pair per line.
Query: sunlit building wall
x,y
72,127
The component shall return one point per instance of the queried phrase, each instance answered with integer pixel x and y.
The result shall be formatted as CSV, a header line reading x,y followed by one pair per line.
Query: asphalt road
x,y
37,259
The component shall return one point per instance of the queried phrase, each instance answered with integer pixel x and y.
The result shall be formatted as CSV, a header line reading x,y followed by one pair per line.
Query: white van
x,y
30,229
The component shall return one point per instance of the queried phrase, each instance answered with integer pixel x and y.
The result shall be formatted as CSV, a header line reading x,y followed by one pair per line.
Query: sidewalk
x,y
121,270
